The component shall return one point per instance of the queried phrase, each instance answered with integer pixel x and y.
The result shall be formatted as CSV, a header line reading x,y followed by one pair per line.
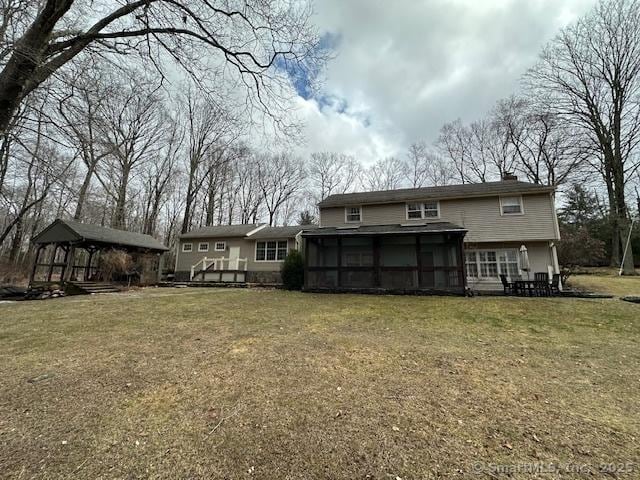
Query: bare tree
x,y
81,110
249,196
330,172
386,174
132,129
38,168
250,37
210,131
157,179
589,76
455,143
491,147
280,178
425,167
546,150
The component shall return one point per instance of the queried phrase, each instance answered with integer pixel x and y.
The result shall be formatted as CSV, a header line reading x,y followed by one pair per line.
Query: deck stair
x,y
94,287
219,269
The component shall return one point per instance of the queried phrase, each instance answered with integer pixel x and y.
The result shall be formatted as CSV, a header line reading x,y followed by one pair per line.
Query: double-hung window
x,y
203,247
187,247
488,264
431,209
353,214
414,210
271,251
508,260
471,264
423,210
220,246
511,205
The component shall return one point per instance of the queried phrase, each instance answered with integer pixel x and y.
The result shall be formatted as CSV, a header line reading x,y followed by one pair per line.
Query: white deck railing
x,y
218,264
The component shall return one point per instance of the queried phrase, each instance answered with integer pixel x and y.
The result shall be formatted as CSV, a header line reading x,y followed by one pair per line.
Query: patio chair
x,y
509,288
555,284
542,288
541,277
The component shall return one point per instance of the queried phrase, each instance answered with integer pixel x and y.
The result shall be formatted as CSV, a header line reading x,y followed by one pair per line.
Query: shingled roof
x,y
466,190
431,227
70,231
281,232
253,230
222,231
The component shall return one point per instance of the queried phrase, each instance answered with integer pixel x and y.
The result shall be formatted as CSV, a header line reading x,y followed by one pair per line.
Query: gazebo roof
x,y
76,233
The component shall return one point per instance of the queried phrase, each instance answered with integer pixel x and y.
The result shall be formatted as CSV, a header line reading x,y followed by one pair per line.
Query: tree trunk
x,y
119,215
82,193
614,259
16,243
628,265
188,205
152,218
27,56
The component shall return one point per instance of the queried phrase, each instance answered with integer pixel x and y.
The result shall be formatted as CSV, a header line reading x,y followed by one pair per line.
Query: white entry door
x,y
234,256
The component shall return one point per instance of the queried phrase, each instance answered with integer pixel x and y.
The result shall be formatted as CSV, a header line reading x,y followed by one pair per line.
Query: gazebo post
x,y
160,266
87,267
52,262
69,261
64,264
32,276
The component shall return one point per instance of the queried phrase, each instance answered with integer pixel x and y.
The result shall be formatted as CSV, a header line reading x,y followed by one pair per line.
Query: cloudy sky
x,y
402,68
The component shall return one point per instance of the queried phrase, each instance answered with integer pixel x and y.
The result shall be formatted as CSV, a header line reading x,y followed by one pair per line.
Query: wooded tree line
x,y
131,114
124,122
577,120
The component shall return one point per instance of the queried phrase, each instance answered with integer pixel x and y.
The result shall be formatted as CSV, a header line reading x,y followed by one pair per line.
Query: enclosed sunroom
x,y
427,258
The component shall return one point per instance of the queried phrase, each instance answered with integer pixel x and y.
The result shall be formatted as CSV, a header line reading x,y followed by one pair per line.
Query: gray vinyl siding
x,y
247,250
480,216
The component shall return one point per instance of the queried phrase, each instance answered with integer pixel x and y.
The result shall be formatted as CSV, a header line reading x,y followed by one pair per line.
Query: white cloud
x,y
330,129
406,67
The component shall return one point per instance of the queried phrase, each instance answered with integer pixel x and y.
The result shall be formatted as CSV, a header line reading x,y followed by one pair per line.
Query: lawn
x,y
606,280
232,383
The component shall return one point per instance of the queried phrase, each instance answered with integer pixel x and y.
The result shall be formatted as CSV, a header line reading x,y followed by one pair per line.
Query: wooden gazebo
x,y
58,244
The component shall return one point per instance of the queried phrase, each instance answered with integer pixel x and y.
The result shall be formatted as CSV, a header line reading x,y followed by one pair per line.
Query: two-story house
x,y
440,239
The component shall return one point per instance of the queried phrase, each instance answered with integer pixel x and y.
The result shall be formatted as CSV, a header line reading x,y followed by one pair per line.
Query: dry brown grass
x,y
272,384
606,280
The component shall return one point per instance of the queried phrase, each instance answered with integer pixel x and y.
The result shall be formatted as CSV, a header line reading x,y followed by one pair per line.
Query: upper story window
x,y
353,214
220,246
423,210
511,205
187,247
203,247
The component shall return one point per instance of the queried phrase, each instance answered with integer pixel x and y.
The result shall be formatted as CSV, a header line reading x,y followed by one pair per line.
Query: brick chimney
x,y
509,176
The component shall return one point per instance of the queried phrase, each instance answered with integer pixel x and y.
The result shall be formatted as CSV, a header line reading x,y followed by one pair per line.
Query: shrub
x,y
293,271
113,264
578,248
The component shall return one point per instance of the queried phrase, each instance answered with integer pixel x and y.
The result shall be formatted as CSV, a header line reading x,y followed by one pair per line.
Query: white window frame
x,y
205,245
497,251
420,210
423,215
502,205
216,244
346,214
255,254
184,247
